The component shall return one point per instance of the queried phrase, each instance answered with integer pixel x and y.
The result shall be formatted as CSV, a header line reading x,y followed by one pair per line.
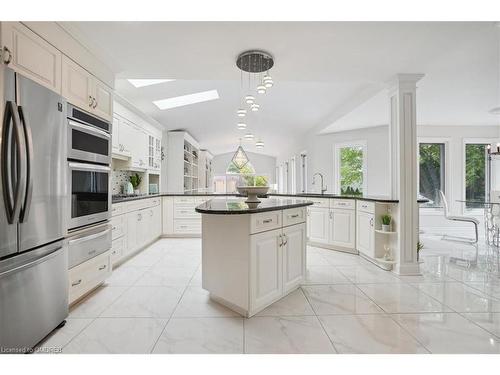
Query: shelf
x,y
383,261
384,232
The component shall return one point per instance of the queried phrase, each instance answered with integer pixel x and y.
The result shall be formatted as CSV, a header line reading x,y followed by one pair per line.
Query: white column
x,y
403,155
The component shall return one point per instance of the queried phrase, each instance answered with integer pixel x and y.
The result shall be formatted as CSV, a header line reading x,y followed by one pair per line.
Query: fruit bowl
x,y
252,192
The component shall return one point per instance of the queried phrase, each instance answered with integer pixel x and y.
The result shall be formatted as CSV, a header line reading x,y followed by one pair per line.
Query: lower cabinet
x,y
277,264
365,235
319,228
179,216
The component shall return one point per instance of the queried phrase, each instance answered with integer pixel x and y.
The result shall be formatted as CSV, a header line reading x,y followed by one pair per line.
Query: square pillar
x,y
403,159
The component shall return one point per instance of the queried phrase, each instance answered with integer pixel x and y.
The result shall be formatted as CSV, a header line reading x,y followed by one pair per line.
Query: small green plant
x,y
386,219
420,246
135,180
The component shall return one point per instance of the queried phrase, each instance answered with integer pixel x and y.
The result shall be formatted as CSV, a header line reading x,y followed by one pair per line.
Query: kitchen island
x,y
253,254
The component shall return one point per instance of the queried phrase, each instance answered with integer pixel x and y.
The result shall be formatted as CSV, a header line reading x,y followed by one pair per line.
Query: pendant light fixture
x,y
255,107
241,126
259,144
249,136
249,99
240,158
241,112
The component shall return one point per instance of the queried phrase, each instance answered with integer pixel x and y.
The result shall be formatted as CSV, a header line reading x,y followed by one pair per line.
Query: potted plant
x,y
420,246
386,220
135,180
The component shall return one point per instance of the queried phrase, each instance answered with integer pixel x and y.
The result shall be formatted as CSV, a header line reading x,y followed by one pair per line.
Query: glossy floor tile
x,y
154,303
369,334
201,336
272,335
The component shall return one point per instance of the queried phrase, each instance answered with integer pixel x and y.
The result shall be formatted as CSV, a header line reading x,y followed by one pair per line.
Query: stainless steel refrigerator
x,y
33,256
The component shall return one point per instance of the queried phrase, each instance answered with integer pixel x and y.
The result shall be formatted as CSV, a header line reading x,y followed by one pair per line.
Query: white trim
x,y
447,171
293,169
303,172
336,163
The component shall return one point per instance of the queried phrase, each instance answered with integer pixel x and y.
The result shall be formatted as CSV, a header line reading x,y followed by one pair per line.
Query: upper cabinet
x,y
83,90
30,55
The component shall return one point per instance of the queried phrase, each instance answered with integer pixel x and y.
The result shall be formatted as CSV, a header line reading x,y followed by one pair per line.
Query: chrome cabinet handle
x,y
91,101
267,221
371,222
331,214
286,240
91,252
76,283
293,216
139,217
6,50
281,240
102,268
95,104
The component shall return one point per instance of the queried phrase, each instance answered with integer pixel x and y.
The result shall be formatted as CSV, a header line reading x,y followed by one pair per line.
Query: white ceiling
x,y
323,71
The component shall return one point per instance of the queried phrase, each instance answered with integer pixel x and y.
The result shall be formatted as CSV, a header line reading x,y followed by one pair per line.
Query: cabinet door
x,y
294,256
266,268
135,230
342,228
103,96
318,225
115,136
365,233
126,136
31,56
156,225
143,227
76,84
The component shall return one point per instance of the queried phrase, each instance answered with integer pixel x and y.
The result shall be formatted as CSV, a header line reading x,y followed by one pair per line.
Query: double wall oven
x,y
89,172
89,182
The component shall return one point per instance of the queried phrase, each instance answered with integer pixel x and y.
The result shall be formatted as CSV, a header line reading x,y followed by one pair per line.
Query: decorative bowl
x,y
252,192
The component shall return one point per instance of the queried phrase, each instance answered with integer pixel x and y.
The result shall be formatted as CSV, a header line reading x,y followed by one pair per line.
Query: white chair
x,y
467,219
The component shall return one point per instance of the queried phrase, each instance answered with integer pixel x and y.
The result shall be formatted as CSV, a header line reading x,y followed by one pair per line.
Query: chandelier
x,y
240,158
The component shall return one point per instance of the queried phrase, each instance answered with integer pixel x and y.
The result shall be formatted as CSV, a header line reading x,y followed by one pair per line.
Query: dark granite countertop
x,y
235,206
382,199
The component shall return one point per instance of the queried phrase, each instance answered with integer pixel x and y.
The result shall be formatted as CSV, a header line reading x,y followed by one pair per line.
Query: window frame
x,y
293,175
336,163
303,171
473,141
447,172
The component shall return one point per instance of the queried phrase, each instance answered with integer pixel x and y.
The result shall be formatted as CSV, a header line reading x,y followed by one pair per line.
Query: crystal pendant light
x,y
268,81
241,112
249,99
255,107
261,89
259,144
241,125
249,136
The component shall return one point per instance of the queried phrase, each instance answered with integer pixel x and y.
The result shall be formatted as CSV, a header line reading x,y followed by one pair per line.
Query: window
x,y
303,172
293,172
476,176
431,172
351,169
285,178
235,177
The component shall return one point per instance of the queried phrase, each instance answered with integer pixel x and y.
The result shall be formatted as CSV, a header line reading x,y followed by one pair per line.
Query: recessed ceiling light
x,y
147,82
179,101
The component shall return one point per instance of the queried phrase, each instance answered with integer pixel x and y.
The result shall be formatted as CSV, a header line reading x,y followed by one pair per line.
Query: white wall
x,y
320,155
263,164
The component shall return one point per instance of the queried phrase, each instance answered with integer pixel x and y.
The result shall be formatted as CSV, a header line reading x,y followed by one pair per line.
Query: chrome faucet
x,y
323,189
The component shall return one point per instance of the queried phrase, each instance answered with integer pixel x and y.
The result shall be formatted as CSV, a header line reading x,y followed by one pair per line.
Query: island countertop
x,y
237,206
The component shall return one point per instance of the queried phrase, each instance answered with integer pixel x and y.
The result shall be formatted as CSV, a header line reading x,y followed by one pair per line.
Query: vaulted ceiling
x,y
323,71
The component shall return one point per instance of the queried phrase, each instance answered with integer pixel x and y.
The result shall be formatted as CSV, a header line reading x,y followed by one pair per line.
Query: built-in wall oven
x,y
89,138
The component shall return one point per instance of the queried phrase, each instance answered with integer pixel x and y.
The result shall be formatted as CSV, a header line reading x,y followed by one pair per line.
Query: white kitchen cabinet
x,y
319,227
139,147
85,91
342,228
365,233
294,257
266,264
133,222
30,55
126,136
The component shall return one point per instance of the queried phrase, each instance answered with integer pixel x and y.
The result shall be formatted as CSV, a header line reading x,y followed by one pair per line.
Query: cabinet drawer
x,y
366,206
88,275
118,209
117,227
294,216
184,201
320,202
188,226
186,212
117,249
343,203
265,221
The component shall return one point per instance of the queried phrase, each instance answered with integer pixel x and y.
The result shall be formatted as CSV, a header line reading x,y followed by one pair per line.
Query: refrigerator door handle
x,y
25,209
12,194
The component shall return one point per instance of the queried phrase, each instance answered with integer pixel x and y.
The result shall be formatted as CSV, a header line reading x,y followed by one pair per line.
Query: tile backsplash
x,y
119,178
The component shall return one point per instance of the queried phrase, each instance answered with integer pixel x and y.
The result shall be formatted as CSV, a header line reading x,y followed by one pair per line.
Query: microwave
x,y
89,194
89,137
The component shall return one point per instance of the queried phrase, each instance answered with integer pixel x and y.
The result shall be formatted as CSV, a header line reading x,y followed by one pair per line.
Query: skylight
x,y
183,100
147,82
